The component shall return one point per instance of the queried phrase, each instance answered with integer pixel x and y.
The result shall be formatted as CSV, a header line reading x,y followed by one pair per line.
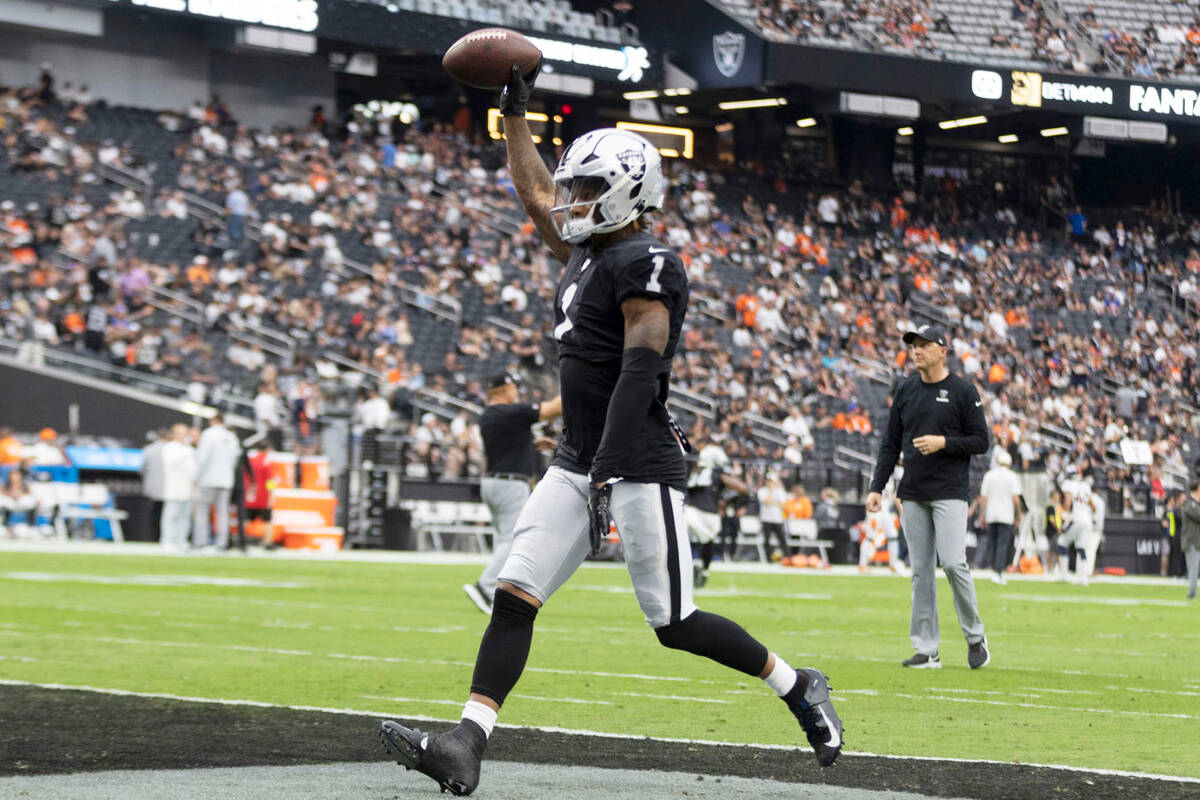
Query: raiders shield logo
x,y
729,49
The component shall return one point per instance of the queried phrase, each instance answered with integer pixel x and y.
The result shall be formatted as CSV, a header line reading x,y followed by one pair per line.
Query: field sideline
x,y
1098,677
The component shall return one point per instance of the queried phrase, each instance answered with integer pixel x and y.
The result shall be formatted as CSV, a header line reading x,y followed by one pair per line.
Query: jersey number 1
x,y
653,285
561,329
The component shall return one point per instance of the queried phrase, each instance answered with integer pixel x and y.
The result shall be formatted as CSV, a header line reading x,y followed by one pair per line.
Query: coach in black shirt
x,y
508,448
937,421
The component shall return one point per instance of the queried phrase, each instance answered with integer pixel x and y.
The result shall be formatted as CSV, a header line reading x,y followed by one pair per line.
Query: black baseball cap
x,y
928,332
500,379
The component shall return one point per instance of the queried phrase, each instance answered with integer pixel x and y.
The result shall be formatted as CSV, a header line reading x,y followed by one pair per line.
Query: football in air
x,y
485,58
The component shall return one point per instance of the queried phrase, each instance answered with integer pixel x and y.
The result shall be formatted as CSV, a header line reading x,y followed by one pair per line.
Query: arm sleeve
x,y
975,438
889,448
627,411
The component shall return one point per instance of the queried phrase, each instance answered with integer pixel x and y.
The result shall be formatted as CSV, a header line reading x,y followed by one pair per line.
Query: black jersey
x,y
951,408
590,331
507,440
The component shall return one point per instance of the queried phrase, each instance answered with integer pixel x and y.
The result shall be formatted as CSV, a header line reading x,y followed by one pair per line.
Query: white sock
x,y
782,678
481,715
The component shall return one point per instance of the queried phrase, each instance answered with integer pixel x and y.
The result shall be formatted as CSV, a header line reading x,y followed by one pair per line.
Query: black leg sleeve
x,y
504,648
706,553
718,638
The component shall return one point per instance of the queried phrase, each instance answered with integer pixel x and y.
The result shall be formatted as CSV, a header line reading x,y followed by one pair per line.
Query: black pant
x,y
730,526
1001,534
156,507
775,529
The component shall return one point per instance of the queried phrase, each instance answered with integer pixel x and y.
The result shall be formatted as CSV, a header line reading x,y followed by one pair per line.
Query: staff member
x,y
509,451
937,422
1190,535
1000,511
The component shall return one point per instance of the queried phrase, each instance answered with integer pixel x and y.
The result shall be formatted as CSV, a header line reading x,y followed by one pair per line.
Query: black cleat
x,y
809,702
978,655
452,758
922,661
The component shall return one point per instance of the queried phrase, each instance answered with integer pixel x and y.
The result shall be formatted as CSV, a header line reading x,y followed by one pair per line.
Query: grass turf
x,y
1100,677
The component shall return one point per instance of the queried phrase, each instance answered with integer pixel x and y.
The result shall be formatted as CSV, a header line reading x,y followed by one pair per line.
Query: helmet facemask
x,y
578,208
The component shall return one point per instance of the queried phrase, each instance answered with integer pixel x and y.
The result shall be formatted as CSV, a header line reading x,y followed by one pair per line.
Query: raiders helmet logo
x,y
729,50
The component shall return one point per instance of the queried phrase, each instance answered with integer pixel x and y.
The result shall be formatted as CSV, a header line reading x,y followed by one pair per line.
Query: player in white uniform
x,y
705,485
1079,527
882,529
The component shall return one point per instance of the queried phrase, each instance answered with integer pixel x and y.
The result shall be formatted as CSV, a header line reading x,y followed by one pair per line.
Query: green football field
x,y
1105,676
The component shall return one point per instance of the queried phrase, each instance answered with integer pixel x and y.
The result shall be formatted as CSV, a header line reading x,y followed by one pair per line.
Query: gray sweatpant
x,y
208,501
504,497
1192,557
937,529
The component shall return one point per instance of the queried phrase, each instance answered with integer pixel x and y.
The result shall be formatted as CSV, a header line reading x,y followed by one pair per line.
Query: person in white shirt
x,y
179,479
268,415
152,474
999,512
374,411
771,498
1079,525
216,464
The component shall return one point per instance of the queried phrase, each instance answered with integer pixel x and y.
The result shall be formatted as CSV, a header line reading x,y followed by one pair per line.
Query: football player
x,y
618,314
1079,526
704,487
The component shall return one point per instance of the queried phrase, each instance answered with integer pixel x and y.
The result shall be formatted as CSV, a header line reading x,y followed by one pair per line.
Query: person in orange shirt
x,y
10,447
860,422
997,373
747,306
798,506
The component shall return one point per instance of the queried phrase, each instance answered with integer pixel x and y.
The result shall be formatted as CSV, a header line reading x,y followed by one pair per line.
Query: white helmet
x,y
615,173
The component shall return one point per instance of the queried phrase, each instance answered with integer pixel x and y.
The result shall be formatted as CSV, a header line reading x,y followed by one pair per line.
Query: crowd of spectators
x,y
798,297
804,20
1066,42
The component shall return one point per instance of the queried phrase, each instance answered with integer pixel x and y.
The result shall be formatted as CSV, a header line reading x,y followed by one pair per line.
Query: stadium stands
x,y
1150,39
421,274
549,16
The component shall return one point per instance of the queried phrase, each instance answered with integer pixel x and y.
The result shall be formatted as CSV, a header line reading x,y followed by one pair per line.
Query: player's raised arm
x,y
535,185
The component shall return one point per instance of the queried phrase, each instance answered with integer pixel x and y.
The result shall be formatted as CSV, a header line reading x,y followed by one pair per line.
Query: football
x,y
484,58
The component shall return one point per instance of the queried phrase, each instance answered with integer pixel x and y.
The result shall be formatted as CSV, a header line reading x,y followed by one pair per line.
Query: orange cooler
x,y
281,470
324,538
314,473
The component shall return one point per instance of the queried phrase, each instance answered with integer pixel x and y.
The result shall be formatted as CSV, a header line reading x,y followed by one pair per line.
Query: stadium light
x,y
766,102
1007,138
905,131
493,122
807,122
724,127
964,122
682,109
1048,132
646,94
681,91
684,137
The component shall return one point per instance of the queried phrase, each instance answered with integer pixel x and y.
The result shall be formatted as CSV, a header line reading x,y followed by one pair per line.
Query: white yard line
x,y
577,732
1040,706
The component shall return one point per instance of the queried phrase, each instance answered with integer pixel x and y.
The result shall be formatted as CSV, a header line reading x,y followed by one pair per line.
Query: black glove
x,y
514,97
598,516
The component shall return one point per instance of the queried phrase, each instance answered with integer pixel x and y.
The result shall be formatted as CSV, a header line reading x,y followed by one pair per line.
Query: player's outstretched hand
x,y
598,516
514,97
